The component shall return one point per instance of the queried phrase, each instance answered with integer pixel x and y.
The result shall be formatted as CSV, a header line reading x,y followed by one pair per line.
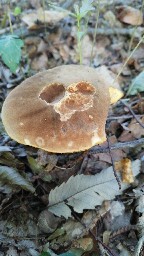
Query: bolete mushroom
x,y
61,110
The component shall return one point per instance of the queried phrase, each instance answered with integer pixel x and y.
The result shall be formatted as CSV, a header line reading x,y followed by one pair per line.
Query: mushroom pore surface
x,y
61,110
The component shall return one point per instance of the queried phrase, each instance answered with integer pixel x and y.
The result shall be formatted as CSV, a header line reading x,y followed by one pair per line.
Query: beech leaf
x,y
11,177
85,191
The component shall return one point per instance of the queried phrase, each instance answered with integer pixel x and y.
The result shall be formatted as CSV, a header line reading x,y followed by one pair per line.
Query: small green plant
x,y
82,13
17,11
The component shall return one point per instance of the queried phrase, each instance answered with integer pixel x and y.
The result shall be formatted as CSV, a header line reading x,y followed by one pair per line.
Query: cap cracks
x,y
66,101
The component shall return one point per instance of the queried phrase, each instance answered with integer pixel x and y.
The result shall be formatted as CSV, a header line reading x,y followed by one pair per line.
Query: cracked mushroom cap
x,y
61,110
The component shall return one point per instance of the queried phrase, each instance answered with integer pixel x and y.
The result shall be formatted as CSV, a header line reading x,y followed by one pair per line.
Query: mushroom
x,y
62,110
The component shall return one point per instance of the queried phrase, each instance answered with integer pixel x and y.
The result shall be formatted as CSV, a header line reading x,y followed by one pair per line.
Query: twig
x,y
114,31
96,238
134,115
128,58
95,31
119,145
114,171
122,117
84,164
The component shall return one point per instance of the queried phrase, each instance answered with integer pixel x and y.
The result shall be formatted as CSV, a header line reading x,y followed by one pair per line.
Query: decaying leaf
x,y
137,85
34,165
10,51
140,226
125,166
133,131
85,192
140,206
47,222
85,244
11,177
72,229
44,17
130,15
127,174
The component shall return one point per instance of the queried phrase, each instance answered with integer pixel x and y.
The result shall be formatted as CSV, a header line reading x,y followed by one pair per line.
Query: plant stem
x,y
43,6
9,17
125,63
95,31
135,29
79,40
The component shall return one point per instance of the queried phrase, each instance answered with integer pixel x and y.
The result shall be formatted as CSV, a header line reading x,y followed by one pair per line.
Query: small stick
x,y
119,145
122,117
134,115
114,171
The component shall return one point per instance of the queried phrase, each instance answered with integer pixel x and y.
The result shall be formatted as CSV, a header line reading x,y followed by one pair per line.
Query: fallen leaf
x,y
85,192
137,85
10,51
83,243
64,52
130,15
72,229
140,204
110,18
40,63
116,209
133,131
44,17
125,166
11,176
47,222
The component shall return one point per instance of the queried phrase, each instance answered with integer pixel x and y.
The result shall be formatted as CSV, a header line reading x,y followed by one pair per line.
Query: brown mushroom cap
x,y
61,110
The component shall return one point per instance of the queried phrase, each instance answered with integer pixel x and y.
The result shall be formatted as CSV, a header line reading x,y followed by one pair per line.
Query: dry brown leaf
x,y
44,17
32,50
64,52
83,243
133,131
42,47
40,63
130,15
110,18
125,166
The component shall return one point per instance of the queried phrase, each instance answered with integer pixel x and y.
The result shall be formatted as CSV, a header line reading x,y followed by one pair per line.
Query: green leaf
x,y
81,12
10,51
17,11
36,168
76,8
137,85
86,7
11,177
